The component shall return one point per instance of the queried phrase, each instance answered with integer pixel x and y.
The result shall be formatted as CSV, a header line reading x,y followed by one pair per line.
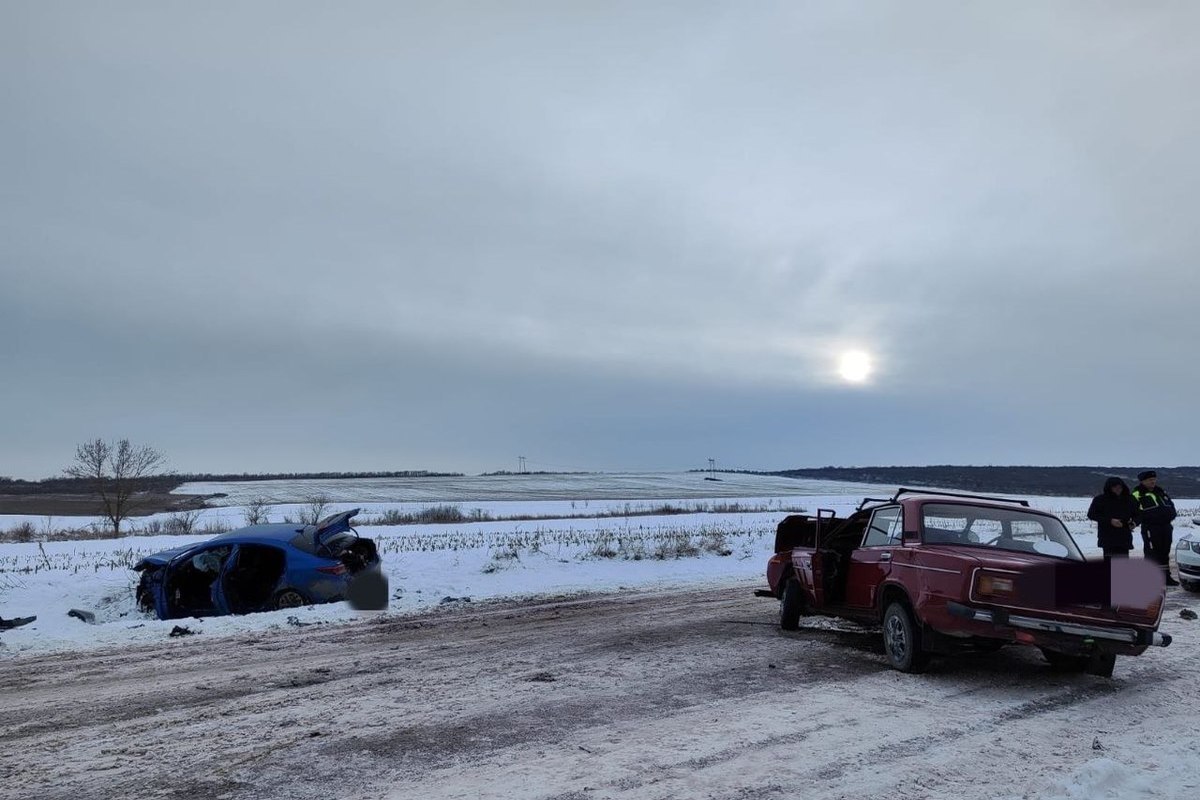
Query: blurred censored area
x,y
1129,582
368,591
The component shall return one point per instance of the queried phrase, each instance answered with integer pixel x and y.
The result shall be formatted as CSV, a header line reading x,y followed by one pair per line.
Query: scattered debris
x,y
449,599
584,749
9,624
542,677
296,623
770,666
1187,613
86,616
180,630
1096,743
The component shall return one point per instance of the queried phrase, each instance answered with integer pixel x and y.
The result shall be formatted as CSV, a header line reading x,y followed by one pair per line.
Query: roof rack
x,y
901,491
868,500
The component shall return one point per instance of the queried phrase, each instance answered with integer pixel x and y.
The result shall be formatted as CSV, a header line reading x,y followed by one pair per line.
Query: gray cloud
x,y
610,235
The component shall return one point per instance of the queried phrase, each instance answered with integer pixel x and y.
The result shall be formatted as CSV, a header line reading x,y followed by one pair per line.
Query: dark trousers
x,y
1115,552
1157,545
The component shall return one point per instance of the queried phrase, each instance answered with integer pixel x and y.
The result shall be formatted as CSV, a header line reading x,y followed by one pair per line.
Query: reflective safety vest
x,y
1142,495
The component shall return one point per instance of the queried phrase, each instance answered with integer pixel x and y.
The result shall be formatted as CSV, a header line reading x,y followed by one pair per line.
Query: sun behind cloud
x,y
854,366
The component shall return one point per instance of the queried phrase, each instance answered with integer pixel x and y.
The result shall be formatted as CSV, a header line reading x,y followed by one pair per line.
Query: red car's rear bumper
x,y
1003,620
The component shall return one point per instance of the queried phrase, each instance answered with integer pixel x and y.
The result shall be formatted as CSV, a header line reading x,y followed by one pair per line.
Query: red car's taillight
x,y
336,569
993,585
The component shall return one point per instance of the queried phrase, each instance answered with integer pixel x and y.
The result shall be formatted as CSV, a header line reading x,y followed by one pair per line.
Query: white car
x,y
1187,554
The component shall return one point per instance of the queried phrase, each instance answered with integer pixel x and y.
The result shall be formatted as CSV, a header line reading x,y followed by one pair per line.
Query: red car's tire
x,y
902,640
1101,664
791,605
1062,662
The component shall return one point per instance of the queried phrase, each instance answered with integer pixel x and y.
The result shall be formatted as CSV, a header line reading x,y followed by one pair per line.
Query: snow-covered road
x,y
684,693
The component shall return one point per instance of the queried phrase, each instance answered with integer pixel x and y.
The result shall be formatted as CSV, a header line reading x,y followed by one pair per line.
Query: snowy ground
x,y
642,695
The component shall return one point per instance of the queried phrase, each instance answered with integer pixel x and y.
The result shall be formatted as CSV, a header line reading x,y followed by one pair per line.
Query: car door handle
x,y
885,556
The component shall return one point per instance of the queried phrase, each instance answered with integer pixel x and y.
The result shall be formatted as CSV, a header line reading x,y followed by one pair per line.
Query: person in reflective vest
x,y
1156,511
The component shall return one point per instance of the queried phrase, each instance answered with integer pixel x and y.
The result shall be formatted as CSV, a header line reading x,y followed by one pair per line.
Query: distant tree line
x,y
169,481
1066,481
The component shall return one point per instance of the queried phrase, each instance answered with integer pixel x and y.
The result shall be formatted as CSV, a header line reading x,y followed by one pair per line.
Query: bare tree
x,y
184,521
115,472
314,510
258,511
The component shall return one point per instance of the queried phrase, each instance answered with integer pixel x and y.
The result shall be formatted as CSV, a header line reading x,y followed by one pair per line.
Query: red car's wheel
x,y
902,640
791,605
1063,662
1101,664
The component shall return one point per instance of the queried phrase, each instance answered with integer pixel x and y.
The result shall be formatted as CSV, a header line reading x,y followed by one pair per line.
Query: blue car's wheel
x,y
288,598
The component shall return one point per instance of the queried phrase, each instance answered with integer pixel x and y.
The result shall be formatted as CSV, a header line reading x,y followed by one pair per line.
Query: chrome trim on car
x,y
931,569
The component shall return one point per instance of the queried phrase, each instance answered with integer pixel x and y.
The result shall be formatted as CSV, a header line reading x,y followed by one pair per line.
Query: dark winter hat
x,y
1147,474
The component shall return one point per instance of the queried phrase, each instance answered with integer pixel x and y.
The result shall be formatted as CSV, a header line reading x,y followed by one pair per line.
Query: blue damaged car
x,y
262,568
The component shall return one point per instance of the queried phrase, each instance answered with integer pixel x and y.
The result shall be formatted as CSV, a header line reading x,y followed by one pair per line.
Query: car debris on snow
x,y
16,622
180,630
80,614
1187,613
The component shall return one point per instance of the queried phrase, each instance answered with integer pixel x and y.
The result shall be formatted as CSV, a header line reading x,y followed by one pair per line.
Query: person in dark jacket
x,y
1157,511
1116,514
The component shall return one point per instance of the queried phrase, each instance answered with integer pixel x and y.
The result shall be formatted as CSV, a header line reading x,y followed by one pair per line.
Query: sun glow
x,y
855,366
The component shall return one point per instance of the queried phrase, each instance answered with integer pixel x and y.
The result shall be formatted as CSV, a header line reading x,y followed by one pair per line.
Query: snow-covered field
x,y
577,487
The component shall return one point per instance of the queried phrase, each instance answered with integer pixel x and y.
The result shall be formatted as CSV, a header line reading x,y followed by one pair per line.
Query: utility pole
x,y
712,470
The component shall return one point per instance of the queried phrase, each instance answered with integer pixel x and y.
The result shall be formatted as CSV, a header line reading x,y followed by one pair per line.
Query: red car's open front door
x,y
810,565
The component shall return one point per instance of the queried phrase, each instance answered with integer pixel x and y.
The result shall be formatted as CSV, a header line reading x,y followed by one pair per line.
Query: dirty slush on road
x,y
652,694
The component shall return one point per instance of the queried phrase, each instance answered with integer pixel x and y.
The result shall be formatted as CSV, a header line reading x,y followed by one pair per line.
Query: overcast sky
x,y
293,236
